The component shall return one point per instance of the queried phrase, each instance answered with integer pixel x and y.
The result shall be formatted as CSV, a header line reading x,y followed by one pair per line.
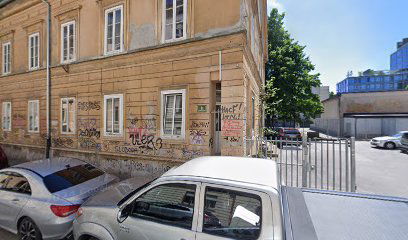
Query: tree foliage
x,y
289,78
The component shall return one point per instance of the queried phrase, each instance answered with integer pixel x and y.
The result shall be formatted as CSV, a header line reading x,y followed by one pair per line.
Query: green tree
x,y
289,79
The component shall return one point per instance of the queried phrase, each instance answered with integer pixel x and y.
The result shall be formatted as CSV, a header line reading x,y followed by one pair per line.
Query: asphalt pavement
x,y
381,171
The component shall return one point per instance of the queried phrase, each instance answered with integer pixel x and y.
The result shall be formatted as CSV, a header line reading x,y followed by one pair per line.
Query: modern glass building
x,y
399,59
377,81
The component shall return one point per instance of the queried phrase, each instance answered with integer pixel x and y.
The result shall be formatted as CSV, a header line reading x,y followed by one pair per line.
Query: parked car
x,y
3,159
388,142
38,199
288,136
404,142
206,198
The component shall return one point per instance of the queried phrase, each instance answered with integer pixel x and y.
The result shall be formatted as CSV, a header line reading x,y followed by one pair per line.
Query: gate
x,y
311,163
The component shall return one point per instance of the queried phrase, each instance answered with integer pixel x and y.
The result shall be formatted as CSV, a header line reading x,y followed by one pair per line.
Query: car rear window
x,y
292,132
70,177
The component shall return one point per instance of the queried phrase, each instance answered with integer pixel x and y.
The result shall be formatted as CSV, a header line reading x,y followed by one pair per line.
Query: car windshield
x,y
70,177
134,192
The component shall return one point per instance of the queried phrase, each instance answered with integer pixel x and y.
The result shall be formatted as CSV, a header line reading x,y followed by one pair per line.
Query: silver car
x,y
206,198
388,142
38,199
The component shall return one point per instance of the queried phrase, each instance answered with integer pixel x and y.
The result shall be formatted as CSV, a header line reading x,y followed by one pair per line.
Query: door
x,y
217,134
14,193
165,211
230,214
217,119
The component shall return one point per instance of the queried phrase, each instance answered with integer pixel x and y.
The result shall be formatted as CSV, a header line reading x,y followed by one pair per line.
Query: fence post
x,y
304,160
353,164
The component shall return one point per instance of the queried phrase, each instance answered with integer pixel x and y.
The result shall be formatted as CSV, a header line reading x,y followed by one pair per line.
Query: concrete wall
x,y
379,102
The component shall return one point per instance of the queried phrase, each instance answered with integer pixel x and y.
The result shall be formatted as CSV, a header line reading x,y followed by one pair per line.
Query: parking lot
x,y
379,171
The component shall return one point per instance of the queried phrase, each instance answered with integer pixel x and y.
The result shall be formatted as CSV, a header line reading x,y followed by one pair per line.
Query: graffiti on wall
x,y
61,142
146,141
88,106
88,128
199,124
150,168
197,137
149,123
89,144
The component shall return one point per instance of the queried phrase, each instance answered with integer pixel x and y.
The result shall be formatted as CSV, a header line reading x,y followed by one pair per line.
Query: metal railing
x,y
310,163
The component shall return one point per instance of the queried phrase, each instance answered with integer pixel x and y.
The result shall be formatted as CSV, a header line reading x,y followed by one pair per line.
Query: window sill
x,y
113,53
33,132
173,138
68,62
174,40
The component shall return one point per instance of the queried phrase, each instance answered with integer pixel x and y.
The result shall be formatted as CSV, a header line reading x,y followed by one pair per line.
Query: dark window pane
x,y
179,30
169,3
71,177
170,204
232,214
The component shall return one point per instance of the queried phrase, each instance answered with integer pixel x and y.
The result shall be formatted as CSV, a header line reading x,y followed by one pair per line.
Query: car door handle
x,y
15,200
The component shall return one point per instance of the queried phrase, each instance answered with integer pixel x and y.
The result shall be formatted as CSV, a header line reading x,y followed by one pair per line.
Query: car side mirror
x,y
125,212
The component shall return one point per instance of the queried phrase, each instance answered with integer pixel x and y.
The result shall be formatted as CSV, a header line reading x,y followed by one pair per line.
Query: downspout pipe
x,y
48,147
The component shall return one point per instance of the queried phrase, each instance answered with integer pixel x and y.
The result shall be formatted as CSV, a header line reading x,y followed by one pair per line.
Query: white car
x,y
388,142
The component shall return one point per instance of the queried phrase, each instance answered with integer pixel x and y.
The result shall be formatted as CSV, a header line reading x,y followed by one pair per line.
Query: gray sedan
x,y
38,200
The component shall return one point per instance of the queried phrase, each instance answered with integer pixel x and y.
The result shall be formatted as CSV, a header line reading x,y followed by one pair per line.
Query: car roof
x,y
249,170
46,167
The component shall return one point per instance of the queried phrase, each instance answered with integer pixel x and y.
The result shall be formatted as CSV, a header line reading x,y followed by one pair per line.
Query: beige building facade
x,y
137,86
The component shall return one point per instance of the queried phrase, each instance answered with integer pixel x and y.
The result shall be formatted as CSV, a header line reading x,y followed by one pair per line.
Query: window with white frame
x,y
34,51
174,20
33,116
114,30
6,58
68,42
173,113
6,116
68,115
113,114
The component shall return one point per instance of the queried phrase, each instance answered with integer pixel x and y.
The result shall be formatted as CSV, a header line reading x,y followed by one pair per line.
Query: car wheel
x,y
27,230
390,145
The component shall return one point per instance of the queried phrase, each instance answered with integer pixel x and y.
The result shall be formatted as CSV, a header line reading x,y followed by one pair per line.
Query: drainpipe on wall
x,y
48,147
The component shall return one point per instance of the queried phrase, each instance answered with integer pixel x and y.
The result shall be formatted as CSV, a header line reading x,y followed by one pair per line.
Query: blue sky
x,y
344,35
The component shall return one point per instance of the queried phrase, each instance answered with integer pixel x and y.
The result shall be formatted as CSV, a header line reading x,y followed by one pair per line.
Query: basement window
x,y
114,30
6,58
113,115
68,42
68,115
33,116
34,51
6,116
174,20
173,114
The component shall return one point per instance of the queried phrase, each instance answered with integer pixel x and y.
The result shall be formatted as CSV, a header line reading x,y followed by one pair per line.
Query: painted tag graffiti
x,y
88,106
197,137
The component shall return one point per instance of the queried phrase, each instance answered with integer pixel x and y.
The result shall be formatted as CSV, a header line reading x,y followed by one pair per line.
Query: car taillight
x,y
64,211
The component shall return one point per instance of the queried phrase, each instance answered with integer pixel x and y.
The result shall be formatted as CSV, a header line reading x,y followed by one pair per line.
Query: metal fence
x,y
310,163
